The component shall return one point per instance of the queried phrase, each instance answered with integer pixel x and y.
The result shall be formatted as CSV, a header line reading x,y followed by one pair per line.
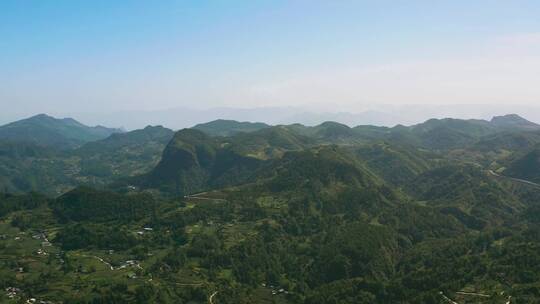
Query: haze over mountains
x,y
378,115
270,152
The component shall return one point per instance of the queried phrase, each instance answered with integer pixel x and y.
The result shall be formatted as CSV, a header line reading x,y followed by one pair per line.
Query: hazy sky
x,y
77,56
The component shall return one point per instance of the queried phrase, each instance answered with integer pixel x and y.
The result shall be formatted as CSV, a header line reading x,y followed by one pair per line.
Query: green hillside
x,y
507,141
396,164
526,167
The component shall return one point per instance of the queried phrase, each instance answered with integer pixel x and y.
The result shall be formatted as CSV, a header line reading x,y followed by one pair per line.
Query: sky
x,y
68,56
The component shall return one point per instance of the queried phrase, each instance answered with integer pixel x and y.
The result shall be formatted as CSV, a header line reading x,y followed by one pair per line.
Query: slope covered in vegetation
x,y
284,214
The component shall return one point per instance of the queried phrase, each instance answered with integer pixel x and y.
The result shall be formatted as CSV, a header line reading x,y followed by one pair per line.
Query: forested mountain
x,y
193,161
52,132
223,127
513,121
441,212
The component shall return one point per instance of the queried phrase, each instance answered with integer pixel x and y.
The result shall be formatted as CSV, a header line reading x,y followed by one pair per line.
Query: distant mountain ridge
x,y
49,131
225,127
177,118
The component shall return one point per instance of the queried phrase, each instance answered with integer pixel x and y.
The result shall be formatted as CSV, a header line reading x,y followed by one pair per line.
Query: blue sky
x,y
116,55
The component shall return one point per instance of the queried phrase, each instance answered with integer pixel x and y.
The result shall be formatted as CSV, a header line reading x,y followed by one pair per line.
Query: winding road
x,y
100,259
447,299
519,180
472,294
206,198
211,299
201,197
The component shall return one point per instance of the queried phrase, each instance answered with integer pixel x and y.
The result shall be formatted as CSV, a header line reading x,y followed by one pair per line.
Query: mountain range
x,y
241,212
363,114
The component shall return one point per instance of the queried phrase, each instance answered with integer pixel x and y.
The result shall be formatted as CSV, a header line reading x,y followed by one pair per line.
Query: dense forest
x,y
447,211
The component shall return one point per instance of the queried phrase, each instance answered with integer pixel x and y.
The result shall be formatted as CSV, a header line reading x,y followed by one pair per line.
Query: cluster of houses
x,y
130,263
145,230
59,257
11,292
35,301
275,290
43,237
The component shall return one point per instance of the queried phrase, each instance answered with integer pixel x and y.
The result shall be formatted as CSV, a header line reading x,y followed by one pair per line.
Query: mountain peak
x,y
46,130
45,118
333,124
508,117
513,120
40,117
